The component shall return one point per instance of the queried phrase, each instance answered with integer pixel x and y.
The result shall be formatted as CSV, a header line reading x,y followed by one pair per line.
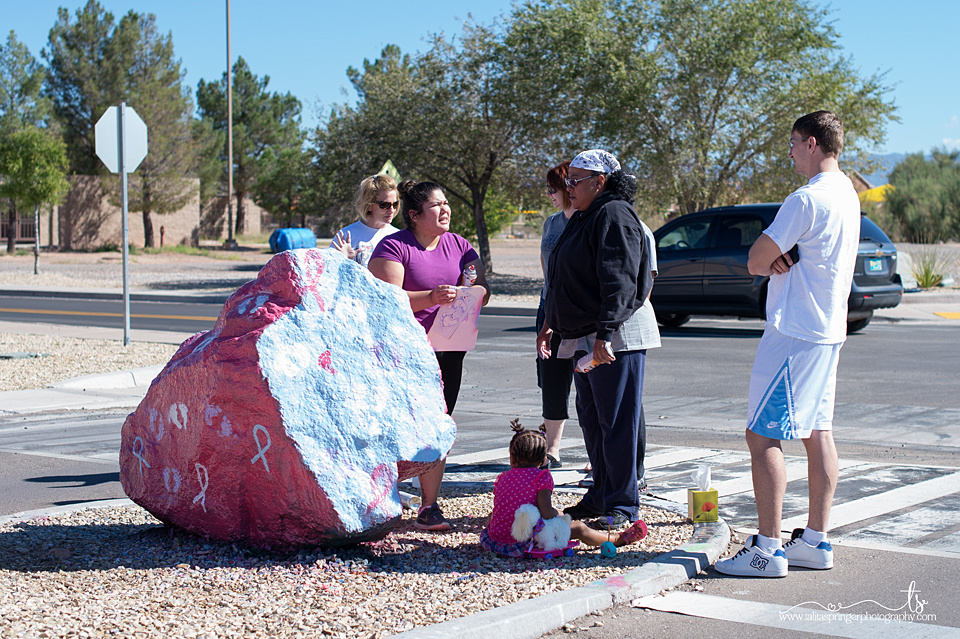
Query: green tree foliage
x,y
283,186
154,85
33,165
343,156
208,144
95,63
447,116
83,79
925,200
21,80
698,95
22,107
265,125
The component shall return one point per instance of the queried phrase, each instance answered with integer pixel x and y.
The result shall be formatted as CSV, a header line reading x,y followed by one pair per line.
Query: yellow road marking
x,y
949,315
91,313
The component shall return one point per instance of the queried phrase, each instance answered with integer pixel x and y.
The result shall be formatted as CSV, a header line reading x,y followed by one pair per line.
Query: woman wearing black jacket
x,y
599,276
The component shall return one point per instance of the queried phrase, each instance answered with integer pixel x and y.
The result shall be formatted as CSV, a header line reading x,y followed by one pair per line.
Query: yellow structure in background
x,y
876,195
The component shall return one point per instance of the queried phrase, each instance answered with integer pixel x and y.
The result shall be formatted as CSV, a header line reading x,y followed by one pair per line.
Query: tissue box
x,y
702,505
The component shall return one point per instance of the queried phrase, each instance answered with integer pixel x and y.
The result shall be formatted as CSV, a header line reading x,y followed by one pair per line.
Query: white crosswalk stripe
x,y
949,543
903,529
850,512
799,619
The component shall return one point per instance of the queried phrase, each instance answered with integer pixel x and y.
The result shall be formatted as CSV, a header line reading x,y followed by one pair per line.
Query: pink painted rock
x,y
292,420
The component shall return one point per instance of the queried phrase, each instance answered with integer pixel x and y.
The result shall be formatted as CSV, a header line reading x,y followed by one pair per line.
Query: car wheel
x,y
856,325
672,320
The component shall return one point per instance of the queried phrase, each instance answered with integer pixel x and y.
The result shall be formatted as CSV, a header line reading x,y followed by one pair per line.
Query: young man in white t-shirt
x,y
794,376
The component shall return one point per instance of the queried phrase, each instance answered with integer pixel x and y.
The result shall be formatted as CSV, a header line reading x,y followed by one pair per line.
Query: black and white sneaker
x,y
802,555
753,562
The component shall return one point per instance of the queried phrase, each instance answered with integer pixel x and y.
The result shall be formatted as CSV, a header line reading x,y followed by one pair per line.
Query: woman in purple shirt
x,y
427,261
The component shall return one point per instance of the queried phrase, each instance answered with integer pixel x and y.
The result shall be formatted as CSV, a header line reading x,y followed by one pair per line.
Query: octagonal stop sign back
x,y
107,137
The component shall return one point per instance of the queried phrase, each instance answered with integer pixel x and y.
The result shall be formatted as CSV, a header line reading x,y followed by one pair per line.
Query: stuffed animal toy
x,y
550,534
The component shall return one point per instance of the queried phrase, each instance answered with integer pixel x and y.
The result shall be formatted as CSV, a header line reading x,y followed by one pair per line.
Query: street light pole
x,y
230,242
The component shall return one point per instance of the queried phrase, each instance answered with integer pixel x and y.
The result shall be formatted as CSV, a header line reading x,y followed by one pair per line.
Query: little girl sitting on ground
x,y
527,483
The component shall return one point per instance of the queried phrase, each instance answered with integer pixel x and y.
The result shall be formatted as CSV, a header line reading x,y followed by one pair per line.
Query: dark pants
x,y
554,377
608,405
451,372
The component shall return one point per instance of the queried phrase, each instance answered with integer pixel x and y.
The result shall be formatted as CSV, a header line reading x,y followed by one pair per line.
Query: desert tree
x,y
925,199
21,82
33,166
449,115
265,124
698,96
96,62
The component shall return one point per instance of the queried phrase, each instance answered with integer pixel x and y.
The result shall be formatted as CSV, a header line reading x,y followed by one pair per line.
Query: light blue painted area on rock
x,y
357,384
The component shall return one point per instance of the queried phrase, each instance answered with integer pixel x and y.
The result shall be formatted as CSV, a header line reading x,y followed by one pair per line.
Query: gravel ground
x,y
54,358
119,572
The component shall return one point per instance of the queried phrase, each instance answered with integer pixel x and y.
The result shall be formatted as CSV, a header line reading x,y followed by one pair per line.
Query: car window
x,y
689,234
734,231
870,232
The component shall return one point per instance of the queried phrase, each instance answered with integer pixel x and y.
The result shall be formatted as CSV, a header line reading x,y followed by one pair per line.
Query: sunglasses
x,y
388,205
573,182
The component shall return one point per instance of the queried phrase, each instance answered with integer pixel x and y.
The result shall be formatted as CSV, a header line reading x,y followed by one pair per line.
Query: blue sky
x,y
305,46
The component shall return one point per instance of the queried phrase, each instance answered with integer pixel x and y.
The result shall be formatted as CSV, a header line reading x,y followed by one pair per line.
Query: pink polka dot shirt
x,y
512,489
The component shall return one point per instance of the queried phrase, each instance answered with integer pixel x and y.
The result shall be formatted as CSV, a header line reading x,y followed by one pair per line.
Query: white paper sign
x,y
455,327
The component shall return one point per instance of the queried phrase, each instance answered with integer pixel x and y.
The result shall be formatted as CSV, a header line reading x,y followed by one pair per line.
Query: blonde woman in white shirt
x,y
377,202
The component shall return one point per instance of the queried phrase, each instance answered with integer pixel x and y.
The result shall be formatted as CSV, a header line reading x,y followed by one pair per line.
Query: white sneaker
x,y
802,555
753,562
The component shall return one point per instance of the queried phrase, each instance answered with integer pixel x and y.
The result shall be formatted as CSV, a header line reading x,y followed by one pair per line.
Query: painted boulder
x,y
292,420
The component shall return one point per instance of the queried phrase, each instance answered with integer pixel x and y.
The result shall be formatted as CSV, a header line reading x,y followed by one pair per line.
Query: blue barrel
x,y
287,239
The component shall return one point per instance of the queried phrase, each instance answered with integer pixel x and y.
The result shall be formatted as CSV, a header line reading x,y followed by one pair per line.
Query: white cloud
x,y
953,122
951,143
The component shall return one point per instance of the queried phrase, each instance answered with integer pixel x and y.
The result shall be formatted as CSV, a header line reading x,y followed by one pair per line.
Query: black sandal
x,y
552,463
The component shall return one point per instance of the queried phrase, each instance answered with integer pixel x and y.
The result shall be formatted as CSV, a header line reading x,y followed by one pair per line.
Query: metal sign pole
x,y
122,155
124,234
230,242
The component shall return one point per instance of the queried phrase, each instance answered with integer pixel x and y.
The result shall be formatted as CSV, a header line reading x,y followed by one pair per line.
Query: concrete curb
x,y
190,295
64,510
930,296
131,378
533,618
521,311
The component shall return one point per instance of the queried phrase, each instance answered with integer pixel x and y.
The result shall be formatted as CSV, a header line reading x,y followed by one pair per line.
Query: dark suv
x,y
702,264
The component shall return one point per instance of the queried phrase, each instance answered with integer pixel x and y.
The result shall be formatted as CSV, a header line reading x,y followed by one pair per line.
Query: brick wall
x,y
87,220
